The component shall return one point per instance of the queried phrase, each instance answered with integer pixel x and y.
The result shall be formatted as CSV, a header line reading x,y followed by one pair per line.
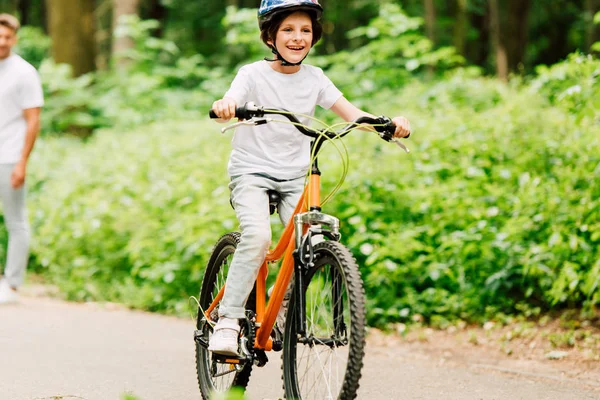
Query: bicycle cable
x,y
323,134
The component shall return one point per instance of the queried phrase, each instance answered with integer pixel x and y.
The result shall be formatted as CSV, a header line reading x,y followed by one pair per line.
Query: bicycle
x,y
324,337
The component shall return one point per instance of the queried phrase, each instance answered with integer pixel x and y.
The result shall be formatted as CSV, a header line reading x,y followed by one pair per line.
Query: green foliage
x,y
157,57
69,102
243,36
131,217
395,52
157,84
33,45
129,396
573,85
596,46
232,394
496,210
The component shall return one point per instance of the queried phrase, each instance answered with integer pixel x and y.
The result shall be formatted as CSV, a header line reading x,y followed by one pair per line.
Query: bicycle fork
x,y
304,256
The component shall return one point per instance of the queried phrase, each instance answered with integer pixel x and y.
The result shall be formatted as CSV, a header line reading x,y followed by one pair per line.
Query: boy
x,y
272,157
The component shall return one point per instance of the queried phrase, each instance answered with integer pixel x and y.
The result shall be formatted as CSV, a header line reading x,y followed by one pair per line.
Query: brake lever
x,y
401,145
251,121
390,138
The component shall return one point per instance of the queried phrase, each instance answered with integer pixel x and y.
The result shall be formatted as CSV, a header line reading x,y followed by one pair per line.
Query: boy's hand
x,y
402,127
224,108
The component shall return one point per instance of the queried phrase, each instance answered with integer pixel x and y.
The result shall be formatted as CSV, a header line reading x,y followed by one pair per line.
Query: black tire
x,y
335,330
214,278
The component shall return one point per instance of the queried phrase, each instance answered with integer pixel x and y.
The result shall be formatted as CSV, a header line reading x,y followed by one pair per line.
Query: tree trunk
x,y
478,49
23,8
497,42
154,9
71,26
430,20
104,16
517,27
122,44
460,27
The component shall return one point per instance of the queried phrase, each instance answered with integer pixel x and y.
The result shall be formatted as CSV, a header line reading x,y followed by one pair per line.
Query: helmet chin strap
x,y
278,57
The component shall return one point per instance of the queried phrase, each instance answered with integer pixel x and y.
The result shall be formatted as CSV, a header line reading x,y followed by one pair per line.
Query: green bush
x,y
573,85
130,218
495,210
158,84
33,45
396,52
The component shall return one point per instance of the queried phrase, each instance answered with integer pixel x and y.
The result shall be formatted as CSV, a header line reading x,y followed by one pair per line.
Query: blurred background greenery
x,y
495,212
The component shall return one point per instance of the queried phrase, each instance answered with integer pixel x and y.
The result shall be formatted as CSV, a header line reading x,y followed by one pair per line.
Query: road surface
x,y
50,349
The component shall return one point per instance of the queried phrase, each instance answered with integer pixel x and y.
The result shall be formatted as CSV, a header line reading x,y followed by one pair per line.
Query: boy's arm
x,y
349,112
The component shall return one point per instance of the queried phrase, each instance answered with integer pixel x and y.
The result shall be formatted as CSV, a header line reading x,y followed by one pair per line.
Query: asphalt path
x,y
50,349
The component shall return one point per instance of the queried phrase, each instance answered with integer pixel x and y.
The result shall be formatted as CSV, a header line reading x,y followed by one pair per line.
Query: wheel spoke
x,y
215,376
316,364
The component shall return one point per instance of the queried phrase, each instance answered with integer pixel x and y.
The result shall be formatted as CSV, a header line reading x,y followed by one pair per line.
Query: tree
x,y
122,43
461,26
516,32
497,41
509,28
71,26
154,9
430,20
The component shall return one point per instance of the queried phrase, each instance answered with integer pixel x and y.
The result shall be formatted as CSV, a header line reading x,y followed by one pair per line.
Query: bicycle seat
x,y
274,199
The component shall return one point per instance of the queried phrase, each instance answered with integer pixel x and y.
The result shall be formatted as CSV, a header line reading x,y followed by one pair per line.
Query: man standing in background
x,y
21,99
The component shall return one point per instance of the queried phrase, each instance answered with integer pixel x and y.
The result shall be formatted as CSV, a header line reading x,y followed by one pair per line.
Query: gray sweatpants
x,y
17,225
251,203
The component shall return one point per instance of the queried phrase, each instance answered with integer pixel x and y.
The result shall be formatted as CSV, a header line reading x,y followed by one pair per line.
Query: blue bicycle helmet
x,y
269,8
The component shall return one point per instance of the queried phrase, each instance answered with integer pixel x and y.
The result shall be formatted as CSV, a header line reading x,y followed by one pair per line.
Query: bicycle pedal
x,y
226,359
260,358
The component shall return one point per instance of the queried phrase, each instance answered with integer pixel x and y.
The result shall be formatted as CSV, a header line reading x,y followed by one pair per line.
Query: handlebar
x,y
254,115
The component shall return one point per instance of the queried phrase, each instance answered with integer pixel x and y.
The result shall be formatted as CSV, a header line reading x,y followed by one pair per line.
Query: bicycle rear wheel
x,y
213,376
326,362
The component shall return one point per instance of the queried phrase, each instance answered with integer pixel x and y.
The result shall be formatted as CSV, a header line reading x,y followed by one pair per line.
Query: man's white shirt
x,y
20,89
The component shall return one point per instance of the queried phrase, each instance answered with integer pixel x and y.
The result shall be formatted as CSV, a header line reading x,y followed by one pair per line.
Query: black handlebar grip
x,y
240,112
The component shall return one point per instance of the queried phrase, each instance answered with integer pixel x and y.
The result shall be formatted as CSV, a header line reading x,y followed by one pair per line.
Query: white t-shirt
x,y
20,89
277,149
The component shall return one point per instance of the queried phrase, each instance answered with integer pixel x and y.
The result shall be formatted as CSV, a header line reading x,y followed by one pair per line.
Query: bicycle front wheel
x,y
213,376
326,361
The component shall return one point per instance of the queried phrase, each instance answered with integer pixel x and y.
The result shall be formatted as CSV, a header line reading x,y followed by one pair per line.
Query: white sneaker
x,y
7,294
224,339
280,320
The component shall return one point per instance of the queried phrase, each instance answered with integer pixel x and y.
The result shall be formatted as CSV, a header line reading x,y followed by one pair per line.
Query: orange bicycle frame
x,y
267,313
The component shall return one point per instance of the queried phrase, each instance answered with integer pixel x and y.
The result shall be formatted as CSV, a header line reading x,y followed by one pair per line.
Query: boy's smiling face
x,y
294,37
